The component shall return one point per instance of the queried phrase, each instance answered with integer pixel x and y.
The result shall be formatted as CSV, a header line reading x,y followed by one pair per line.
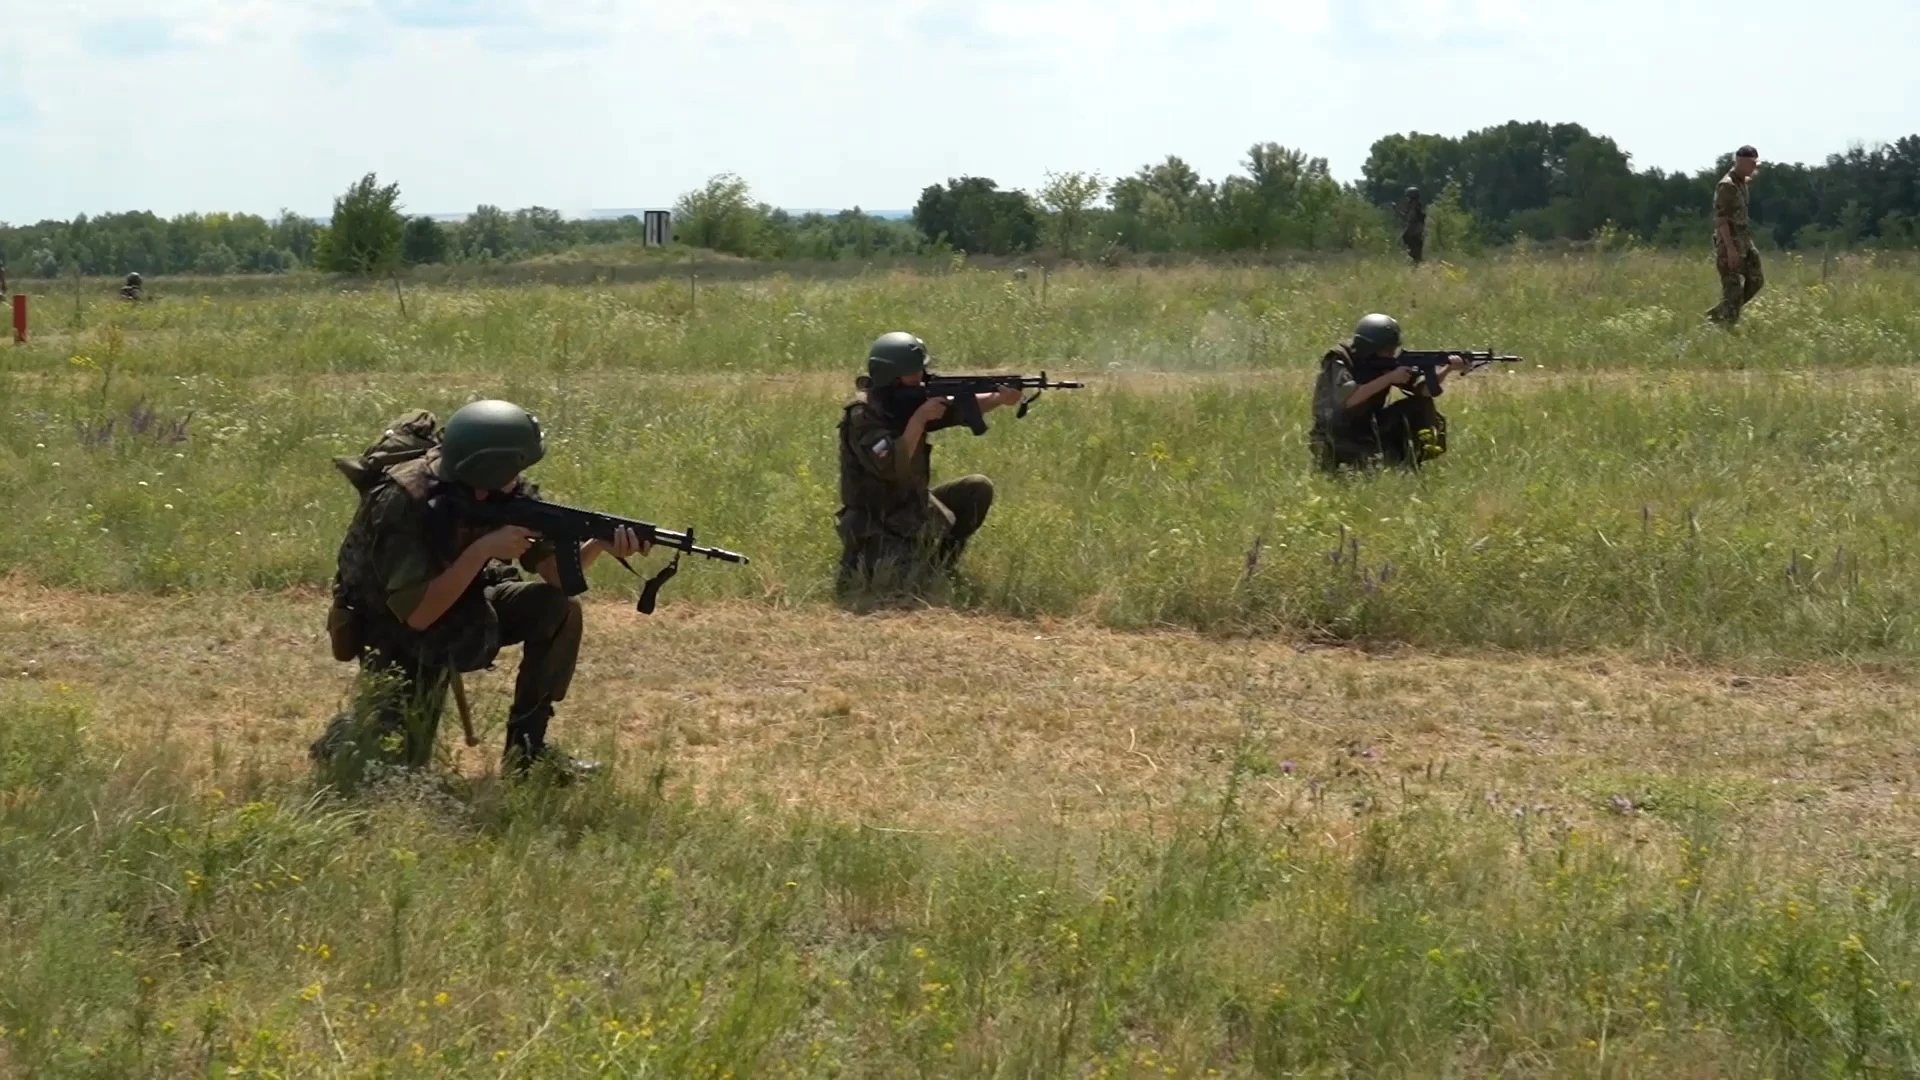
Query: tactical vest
x,y
868,503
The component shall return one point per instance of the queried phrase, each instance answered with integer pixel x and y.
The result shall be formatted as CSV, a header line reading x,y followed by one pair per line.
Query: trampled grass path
x,y
939,721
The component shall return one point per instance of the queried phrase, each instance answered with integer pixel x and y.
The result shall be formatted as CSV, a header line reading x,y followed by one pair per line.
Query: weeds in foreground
x,y
460,927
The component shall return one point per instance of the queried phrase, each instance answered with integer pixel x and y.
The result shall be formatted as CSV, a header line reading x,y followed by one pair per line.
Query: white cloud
x,y
258,104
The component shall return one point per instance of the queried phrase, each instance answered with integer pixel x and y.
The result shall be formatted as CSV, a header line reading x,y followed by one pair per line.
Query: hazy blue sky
x,y
178,105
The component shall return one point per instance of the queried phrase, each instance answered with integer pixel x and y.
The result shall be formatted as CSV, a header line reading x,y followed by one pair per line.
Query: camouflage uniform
x,y
391,552
1374,431
893,526
1740,285
1414,236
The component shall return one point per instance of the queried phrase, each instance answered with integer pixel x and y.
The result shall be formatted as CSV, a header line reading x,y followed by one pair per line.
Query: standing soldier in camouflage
x,y
1353,426
1414,235
1733,252
417,598
893,527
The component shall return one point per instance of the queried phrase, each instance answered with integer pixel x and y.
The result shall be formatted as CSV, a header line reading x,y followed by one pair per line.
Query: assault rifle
x,y
963,407
1426,364
568,526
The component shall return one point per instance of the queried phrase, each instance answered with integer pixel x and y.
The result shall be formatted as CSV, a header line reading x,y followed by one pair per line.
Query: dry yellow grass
x,y
942,722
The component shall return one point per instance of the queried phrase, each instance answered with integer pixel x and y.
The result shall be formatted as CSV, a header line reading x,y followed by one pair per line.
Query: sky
x,y
179,106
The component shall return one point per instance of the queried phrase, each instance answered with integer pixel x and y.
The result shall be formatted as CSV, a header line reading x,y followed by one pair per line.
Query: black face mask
x,y
898,402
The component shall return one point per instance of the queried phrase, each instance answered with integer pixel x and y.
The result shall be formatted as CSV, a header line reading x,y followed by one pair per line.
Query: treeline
x,y
1546,182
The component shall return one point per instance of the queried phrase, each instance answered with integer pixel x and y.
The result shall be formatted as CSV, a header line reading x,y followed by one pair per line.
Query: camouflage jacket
x,y
1415,217
393,549
1730,206
882,489
1343,432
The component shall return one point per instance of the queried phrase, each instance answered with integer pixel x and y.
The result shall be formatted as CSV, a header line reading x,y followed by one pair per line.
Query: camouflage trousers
x,y
401,694
1404,434
1415,243
872,557
1737,287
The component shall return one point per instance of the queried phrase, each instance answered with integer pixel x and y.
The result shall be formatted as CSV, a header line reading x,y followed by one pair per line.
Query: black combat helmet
x,y
894,355
133,278
1379,333
485,444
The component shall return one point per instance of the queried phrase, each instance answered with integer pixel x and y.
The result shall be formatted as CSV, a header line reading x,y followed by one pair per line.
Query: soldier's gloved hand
x,y
1401,376
508,542
1456,363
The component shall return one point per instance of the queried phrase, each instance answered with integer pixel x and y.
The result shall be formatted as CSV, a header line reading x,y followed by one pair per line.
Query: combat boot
x,y
528,753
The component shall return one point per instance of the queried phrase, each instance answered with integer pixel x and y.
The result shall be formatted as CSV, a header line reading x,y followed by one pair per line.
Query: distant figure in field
x,y
1414,235
131,290
3,279
1733,252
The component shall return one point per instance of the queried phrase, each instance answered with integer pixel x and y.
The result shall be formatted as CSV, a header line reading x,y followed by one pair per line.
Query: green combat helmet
x,y
892,356
1379,333
485,444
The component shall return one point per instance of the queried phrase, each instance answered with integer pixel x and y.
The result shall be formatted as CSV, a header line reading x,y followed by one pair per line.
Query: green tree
x,y
366,232
425,241
1070,199
721,216
974,216
216,260
1162,207
1451,227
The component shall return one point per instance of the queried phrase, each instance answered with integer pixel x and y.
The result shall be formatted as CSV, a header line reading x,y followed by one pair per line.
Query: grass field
x,y
1586,752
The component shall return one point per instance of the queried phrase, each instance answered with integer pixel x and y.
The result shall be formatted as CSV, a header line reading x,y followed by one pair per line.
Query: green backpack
x,y
406,439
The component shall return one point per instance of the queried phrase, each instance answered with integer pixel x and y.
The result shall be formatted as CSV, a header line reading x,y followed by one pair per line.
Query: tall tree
x,y
721,216
425,242
1070,198
365,234
973,215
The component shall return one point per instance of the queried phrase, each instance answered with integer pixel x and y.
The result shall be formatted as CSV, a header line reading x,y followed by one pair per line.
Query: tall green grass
x,y
452,929
1629,486
1603,311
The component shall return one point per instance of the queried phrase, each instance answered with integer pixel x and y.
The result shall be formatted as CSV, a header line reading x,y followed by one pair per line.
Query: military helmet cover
x,y
893,355
485,444
1380,333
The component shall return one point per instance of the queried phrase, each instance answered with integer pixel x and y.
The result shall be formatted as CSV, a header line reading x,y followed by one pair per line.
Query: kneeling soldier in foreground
x,y
418,598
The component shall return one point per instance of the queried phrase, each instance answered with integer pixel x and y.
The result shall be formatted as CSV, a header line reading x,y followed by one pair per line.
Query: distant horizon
x,y
606,214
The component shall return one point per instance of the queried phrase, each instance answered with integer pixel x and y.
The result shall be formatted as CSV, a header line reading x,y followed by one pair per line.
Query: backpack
x,y
406,439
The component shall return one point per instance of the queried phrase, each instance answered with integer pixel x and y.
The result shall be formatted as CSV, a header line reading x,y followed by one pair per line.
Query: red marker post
x,y
19,318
